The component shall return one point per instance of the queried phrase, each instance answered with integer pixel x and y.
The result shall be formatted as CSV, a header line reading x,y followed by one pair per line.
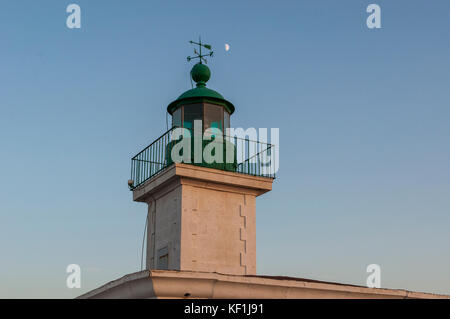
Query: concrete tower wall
x,y
218,230
202,219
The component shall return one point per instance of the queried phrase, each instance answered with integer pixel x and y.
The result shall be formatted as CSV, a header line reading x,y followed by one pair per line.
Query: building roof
x,y
192,284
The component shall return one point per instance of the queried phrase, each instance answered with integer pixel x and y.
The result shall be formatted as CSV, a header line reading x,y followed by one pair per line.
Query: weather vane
x,y
199,54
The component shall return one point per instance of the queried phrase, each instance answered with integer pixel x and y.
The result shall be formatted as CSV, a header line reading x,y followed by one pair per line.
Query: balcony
x,y
240,155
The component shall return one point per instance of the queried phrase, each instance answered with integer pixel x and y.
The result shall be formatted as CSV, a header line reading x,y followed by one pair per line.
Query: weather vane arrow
x,y
198,54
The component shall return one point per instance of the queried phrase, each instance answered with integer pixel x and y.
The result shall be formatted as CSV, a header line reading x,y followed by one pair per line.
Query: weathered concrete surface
x,y
202,219
186,284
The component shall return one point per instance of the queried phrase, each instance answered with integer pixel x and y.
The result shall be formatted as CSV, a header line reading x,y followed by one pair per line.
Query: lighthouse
x,y
201,212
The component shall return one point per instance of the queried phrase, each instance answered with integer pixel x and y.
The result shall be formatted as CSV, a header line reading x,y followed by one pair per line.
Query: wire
x,y
143,241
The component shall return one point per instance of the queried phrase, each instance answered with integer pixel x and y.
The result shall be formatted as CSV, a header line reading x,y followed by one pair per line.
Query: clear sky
x,y
364,118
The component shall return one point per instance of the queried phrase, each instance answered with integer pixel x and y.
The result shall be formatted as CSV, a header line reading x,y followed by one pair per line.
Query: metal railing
x,y
249,157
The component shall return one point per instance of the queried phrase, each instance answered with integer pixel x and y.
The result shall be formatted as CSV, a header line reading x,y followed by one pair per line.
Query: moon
x,y
227,47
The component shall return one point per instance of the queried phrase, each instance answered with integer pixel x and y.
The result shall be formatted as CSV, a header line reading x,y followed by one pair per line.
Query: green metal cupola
x,y
201,103
213,147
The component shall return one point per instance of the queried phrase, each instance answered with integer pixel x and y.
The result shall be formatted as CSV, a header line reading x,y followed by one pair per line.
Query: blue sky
x,y
364,133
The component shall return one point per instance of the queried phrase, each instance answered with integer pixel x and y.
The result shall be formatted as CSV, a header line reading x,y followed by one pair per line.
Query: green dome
x,y
201,92
200,73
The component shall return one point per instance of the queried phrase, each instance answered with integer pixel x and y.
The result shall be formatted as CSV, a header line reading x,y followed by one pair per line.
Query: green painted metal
x,y
200,73
200,94
198,55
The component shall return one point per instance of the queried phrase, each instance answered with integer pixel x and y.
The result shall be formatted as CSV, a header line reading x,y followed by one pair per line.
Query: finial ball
x,y
200,74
